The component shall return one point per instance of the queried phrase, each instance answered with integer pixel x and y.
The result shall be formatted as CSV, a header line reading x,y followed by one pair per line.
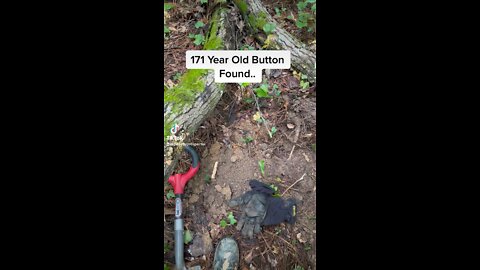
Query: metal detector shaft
x,y
179,260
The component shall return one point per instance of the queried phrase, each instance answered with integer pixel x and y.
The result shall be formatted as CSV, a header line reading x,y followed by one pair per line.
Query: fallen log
x,y
256,16
190,102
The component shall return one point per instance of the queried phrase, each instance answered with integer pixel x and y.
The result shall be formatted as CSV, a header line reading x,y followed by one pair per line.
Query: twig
x,y
261,115
291,152
290,245
214,170
301,178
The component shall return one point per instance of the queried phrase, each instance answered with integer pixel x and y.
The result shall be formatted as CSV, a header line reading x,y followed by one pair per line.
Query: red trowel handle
x,y
178,181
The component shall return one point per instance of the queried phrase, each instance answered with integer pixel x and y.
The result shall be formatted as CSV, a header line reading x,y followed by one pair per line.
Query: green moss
x,y
213,41
259,21
190,84
242,5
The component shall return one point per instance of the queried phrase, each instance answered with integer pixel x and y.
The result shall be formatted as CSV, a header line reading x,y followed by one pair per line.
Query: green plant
x,y
248,100
268,28
187,237
275,90
167,6
166,247
298,267
261,165
199,39
199,24
278,12
247,140
275,188
262,91
170,194
166,30
273,131
165,267
303,15
203,1
304,84
231,218
223,223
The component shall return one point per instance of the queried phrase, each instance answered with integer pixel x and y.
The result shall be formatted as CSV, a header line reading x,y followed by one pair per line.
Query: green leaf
x,y
199,39
191,35
170,194
273,131
187,237
231,218
223,223
304,77
262,91
268,28
301,5
275,87
166,248
300,24
304,85
314,8
261,165
245,84
165,267
199,24
311,1
203,1
290,17
167,6
166,29
277,11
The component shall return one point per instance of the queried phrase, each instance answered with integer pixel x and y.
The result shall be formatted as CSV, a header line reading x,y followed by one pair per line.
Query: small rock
x,y
233,159
202,245
291,126
227,192
218,188
267,155
196,267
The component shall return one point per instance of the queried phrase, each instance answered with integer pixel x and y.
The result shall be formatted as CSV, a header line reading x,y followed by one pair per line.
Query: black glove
x,y
261,208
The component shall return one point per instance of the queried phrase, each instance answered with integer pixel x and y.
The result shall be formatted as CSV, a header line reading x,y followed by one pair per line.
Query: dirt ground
x,y
233,137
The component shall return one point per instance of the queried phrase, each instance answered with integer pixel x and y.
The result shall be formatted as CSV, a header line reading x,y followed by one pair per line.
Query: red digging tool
x,y
178,182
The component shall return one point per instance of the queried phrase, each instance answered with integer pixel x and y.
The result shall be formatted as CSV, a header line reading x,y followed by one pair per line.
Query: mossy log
x,y
195,96
256,16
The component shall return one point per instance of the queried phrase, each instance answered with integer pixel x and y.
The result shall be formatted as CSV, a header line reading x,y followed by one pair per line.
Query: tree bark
x,y
302,59
192,114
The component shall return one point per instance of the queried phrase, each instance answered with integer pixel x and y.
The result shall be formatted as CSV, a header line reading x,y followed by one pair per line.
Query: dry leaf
x,y
299,237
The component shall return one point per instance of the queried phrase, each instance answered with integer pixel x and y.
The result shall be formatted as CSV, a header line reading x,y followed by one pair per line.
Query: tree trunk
x,y
255,15
190,113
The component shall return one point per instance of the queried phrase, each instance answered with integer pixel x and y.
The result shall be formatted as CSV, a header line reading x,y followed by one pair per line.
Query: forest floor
x,y
237,139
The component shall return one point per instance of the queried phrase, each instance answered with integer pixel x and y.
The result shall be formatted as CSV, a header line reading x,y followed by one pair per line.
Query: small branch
x,y
301,178
261,115
291,152
214,170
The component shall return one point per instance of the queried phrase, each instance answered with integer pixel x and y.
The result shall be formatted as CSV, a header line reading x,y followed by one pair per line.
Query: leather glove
x,y
261,208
